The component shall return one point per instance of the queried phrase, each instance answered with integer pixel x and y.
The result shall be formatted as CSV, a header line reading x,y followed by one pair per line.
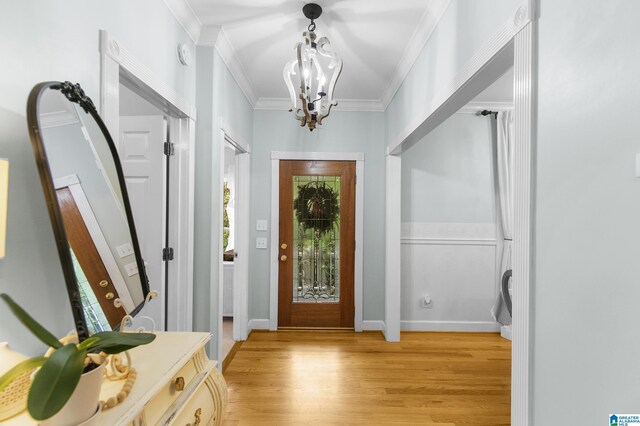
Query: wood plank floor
x,y
347,378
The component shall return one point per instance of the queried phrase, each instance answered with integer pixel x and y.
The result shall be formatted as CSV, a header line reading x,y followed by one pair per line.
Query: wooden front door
x,y
100,293
317,244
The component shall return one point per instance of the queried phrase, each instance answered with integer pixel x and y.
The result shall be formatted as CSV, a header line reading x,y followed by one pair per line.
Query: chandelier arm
x,y
303,89
289,70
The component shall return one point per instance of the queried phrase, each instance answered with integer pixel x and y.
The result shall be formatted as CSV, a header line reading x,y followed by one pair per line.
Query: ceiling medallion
x,y
316,70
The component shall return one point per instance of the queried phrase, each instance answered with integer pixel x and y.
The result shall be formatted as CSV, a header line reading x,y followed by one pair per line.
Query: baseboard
x,y
232,353
258,324
473,326
373,326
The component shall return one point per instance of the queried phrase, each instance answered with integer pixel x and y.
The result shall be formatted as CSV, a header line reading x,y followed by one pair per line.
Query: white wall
x,y
587,213
343,132
464,28
448,230
44,40
218,96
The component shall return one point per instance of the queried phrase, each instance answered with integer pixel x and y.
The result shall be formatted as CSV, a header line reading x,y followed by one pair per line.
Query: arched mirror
x,y
88,205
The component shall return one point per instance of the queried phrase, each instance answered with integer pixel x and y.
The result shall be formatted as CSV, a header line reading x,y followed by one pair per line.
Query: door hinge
x,y
167,254
169,149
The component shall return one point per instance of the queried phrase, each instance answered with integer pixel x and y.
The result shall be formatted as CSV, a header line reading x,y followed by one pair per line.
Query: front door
x,y
317,244
94,282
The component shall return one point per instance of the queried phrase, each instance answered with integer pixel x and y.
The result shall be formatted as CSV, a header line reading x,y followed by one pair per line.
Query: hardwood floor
x,y
347,378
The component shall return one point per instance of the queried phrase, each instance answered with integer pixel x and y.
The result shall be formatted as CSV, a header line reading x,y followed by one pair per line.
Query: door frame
x,y
117,62
514,43
358,269
242,228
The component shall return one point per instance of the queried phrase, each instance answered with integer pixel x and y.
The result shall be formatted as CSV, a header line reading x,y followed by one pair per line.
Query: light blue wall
x,y
464,28
587,213
448,177
343,132
44,40
219,96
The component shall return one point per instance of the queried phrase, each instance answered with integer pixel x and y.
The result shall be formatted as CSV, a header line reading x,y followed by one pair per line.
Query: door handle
x,y
283,257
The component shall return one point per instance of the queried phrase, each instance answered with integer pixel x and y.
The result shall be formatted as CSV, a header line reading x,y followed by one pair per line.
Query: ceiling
x,y
378,41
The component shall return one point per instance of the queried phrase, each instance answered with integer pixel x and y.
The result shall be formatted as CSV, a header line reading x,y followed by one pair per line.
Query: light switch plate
x,y
261,243
131,268
261,225
124,250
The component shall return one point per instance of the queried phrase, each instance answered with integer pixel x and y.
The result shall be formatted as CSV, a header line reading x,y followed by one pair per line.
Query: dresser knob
x,y
179,384
197,415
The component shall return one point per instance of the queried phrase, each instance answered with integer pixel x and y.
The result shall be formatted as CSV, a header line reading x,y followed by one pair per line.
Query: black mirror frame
x,y
75,94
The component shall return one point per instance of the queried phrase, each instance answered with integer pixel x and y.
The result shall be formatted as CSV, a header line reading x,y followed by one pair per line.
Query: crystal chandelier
x,y
316,70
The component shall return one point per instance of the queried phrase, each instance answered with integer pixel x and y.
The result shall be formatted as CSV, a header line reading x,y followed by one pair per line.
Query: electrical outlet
x,y
261,243
427,302
131,268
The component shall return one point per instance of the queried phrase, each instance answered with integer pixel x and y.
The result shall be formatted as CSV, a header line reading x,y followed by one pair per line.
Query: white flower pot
x,y
83,405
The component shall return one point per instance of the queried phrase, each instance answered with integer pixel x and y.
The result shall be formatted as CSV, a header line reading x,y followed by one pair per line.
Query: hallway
x,y
346,378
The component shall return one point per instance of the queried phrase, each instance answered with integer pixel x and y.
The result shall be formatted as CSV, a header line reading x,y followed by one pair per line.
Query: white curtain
x,y
505,189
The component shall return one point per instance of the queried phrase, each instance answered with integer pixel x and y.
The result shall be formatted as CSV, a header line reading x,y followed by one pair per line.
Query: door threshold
x,y
316,328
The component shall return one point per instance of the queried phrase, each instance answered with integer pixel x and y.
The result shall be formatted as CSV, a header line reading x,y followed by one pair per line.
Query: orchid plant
x,y
59,373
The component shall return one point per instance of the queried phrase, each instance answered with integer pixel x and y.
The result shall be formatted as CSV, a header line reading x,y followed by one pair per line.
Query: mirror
x,y
88,205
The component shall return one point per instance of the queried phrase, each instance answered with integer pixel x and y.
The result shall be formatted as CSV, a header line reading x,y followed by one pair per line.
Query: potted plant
x,y
59,374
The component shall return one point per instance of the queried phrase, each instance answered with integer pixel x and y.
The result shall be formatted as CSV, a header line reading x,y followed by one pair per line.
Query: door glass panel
x,y
96,320
316,239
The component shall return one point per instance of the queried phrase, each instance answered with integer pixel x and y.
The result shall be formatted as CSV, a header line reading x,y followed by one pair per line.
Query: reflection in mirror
x,y
92,205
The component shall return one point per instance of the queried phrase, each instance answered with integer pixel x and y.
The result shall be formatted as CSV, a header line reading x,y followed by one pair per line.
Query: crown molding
x,y
419,39
229,57
476,107
186,17
356,105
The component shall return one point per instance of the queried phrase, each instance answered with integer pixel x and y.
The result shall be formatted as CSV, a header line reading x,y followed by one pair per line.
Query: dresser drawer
x,y
200,410
170,392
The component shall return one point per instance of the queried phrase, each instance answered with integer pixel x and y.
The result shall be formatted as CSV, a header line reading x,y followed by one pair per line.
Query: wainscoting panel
x,y
455,265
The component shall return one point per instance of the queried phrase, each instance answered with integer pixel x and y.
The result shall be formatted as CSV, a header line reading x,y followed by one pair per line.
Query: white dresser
x,y
172,358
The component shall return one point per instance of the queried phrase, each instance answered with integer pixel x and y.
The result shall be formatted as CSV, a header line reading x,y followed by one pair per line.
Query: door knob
x,y
283,246
283,257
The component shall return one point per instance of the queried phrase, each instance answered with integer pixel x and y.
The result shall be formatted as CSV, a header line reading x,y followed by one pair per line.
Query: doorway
x,y
233,240
173,310
143,131
316,244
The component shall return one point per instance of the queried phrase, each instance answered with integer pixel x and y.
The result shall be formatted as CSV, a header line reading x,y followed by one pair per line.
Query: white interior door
x,y
142,156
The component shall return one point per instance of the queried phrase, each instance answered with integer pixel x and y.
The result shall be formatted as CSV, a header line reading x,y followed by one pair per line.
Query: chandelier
x,y
316,70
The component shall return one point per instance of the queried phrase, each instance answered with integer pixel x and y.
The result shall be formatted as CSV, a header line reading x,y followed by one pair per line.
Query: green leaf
x,y
19,369
88,342
55,382
39,331
114,342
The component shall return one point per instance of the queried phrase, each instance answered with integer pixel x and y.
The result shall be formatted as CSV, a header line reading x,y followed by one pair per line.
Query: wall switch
x,y
261,243
124,250
131,268
261,225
